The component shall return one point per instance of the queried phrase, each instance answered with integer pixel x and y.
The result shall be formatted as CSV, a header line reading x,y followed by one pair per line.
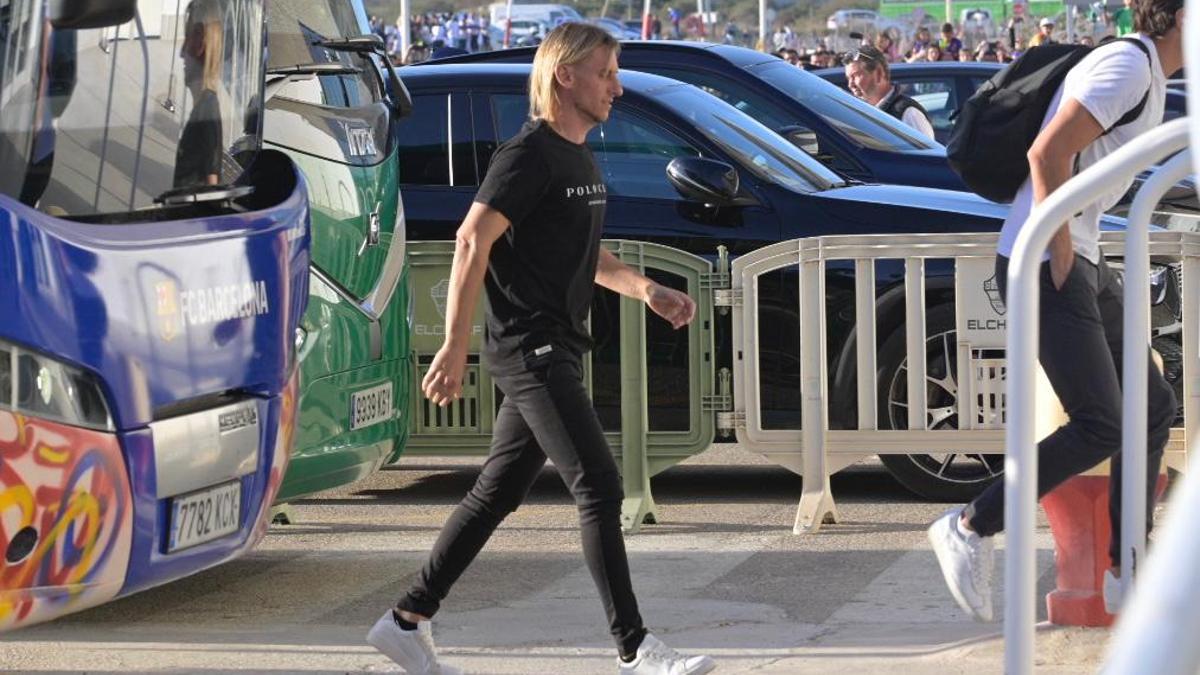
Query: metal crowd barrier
x,y
1023,301
815,449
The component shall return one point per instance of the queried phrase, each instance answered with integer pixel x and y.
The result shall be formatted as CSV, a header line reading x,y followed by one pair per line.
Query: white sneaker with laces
x,y
412,650
655,658
966,564
1112,593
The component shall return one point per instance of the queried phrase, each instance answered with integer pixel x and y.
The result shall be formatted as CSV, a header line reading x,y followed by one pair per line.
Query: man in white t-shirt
x,y
1081,314
869,78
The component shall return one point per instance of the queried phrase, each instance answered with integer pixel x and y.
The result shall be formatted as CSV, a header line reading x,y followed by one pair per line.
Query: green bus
x,y
332,104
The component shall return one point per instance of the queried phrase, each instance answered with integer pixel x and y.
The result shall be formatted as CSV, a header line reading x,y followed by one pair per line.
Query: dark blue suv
x,y
840,131
734,183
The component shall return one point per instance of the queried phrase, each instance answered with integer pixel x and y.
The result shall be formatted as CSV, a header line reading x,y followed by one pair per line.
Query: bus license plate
x,y
205,515
371,406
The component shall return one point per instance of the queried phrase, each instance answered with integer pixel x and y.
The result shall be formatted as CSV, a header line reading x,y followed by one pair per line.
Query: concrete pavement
x,y
721,574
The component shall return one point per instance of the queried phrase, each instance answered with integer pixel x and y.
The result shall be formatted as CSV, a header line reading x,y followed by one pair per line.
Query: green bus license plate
x,y
371,406
205,515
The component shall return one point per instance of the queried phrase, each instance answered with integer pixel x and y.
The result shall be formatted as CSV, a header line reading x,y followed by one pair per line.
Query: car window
x,y
936,96
633,153
862,123
510,112
428,154
757,148
732,92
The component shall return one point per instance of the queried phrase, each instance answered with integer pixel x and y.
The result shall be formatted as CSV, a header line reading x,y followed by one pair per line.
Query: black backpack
x,y
998,124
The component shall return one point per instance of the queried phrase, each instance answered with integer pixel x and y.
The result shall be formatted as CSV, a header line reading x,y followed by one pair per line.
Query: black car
x,y
943,87
842,132
462,112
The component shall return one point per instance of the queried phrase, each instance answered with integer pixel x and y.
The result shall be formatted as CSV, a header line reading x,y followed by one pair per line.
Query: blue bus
x,y
153,271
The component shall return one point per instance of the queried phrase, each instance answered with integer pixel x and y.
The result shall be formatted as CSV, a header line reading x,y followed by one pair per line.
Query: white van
x,y
551,15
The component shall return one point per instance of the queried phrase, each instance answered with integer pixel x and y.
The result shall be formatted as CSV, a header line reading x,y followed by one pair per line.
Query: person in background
x,y
885,43
1045,34
950,43
869,78
920,43
1122,19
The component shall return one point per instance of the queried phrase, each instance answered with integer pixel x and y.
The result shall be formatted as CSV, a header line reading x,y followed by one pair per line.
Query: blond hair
x,y
209,15
567,45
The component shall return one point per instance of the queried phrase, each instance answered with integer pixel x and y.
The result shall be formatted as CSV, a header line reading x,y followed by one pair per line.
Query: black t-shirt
x,y
542,271
199,153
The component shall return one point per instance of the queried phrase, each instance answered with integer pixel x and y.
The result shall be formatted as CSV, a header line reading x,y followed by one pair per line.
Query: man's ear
x,y
565,76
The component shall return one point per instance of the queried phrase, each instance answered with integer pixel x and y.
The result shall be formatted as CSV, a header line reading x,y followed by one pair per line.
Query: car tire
x,y
949,477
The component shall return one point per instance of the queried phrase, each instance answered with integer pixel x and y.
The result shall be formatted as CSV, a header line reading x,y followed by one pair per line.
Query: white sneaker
x,y
655,658
966,564
1112,593
412,650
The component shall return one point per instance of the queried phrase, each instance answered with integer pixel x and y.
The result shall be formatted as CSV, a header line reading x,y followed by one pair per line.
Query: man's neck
x,y
1170,51
570,125
883,93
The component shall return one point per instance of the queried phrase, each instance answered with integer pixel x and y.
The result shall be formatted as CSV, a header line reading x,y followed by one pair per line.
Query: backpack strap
x,y
1136,111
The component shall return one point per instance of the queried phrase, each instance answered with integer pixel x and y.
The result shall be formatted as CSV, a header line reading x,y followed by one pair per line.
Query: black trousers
x,y
1080,341
546,413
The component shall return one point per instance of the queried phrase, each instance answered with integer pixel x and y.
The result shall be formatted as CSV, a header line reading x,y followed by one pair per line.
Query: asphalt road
x,y
721,573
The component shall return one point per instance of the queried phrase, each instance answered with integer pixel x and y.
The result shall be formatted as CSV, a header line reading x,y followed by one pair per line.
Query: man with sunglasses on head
x,y
870,79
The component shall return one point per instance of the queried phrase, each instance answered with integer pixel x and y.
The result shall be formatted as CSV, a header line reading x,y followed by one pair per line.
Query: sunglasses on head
x,y
860,55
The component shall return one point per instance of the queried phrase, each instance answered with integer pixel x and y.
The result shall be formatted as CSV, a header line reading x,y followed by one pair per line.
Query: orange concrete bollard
x,y
1078,515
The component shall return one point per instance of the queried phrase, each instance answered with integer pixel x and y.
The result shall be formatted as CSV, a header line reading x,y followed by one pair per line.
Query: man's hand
x,y
676,307
443,383
1060,268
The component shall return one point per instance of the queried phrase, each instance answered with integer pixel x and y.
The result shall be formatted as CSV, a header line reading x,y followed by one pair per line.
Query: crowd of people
x,y
449,33
951,43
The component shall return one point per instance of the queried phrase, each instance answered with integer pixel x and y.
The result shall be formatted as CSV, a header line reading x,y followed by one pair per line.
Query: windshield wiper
x,y
281,75
373,44
368,44
195,194
313,69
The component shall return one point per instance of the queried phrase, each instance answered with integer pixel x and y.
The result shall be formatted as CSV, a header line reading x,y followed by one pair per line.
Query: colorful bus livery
x,y
153,272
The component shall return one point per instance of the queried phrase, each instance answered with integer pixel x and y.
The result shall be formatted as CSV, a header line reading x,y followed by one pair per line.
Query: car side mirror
x,y
83,14
802,137
703,180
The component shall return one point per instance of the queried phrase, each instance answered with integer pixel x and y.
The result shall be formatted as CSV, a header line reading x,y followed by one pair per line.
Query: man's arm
x,y
670,304
1051,160
472,246
919,121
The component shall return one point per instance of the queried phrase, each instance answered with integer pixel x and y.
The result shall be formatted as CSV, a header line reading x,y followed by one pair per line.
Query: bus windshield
x,y
110,120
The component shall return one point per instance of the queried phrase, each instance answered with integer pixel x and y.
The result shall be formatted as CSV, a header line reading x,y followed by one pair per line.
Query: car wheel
x,y
949,477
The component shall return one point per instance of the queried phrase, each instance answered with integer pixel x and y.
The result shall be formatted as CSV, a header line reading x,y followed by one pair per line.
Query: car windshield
x,y
862,123
759,149
104,121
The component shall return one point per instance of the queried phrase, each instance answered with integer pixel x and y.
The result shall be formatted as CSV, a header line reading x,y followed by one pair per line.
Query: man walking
x,y
869,78
1080,336
532,237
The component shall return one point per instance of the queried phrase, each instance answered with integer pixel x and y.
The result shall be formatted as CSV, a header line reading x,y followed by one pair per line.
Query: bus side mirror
x,y
82,14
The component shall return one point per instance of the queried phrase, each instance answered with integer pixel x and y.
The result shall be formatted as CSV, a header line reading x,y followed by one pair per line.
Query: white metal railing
x,y
814,449
1157,633
1020,470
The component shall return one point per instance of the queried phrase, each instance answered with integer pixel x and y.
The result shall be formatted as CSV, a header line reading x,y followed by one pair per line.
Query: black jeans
x,y
546,412
1080,341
